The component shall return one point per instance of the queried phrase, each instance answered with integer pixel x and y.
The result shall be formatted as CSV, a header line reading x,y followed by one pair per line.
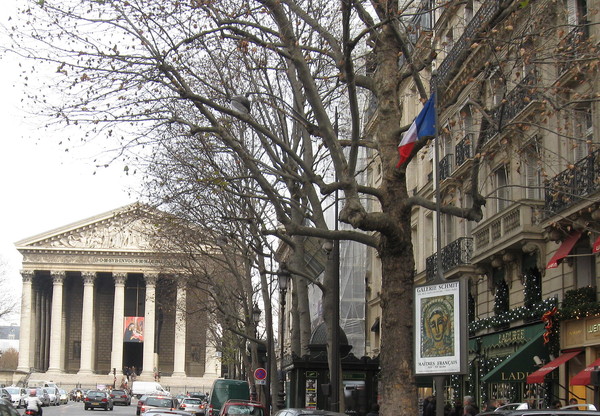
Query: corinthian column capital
x,y
58,277
27,275
88,278
119,278
151,279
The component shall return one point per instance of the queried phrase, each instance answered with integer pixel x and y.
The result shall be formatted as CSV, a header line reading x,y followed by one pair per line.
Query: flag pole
x,y
439,275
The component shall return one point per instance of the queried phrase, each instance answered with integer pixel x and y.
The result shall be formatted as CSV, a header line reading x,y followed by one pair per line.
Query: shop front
x,y
584,335
501,363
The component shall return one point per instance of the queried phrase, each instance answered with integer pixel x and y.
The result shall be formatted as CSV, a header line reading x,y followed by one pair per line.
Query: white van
x,y
139,388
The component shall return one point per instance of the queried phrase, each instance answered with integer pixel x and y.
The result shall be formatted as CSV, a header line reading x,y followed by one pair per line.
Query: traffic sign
x,y
260,374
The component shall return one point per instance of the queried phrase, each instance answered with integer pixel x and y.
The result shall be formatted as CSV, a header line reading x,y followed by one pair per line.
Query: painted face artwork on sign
x,y
437,331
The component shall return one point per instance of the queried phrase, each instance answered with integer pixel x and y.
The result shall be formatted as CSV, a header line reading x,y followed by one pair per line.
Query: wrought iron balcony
x,y
455,254
486,13
464,149
446,166
570,46
573,185
515,102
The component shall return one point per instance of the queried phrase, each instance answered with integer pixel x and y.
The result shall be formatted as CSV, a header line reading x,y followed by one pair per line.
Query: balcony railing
x,y
516,100
572,185
464,149
446,166
486,13
570,46
455,254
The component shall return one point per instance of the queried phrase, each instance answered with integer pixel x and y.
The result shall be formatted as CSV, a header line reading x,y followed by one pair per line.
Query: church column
x,y
26,320
116,359
56,343
149,317
212,364
87,324
180,328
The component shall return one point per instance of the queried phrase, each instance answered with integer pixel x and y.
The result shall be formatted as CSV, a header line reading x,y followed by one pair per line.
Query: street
x,y
76,409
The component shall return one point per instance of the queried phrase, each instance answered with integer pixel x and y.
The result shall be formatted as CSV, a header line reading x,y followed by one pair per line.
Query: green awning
x,y
519,364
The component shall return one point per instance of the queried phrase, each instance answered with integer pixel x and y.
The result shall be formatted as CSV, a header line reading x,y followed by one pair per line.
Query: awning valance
x,y
583,377
538,376
564,249
520,363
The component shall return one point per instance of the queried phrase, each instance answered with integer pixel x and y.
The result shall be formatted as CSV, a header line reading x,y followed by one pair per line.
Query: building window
x,y
448,229
501,300
501,190
585,266
576,12
531,160
532,281
582,133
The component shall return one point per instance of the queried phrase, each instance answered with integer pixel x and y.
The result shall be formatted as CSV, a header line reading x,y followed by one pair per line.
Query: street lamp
x,y
283,275
256,318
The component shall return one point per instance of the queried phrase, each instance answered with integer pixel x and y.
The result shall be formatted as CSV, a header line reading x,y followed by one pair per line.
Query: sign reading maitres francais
x,y
440,329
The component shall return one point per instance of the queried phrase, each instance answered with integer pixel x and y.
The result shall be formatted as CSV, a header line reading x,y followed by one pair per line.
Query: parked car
x,y
53,395
307,412
7,409
193,406
63,396
140,402
242,407
18,395
120,397
165,412
98,399
197,395
159,402
41,394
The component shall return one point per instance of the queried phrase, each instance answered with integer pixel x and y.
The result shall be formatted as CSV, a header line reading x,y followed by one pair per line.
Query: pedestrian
x,y
556,404
470,410
374,410
573,402
490,405
457,409
470,401
429,406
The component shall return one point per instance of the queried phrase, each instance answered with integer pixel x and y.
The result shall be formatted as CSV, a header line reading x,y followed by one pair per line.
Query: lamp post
x,y
284,277
256,318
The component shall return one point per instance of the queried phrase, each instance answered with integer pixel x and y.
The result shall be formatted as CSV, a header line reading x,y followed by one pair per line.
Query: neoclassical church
x,y
97,296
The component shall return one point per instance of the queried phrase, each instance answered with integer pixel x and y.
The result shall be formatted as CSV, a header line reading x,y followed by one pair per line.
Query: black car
x,y
308,412
98,399
120,397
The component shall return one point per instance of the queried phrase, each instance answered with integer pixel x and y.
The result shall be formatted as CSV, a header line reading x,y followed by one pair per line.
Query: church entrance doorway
x,y
133,355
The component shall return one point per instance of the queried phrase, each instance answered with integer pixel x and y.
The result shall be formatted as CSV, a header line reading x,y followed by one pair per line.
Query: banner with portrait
x,y
440,328
133,329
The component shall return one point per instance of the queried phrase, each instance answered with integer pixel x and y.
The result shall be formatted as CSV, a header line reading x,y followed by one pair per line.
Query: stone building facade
x,y
86,284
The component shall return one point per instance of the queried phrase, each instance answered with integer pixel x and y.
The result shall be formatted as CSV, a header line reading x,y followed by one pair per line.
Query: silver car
x,y
192,405
53,395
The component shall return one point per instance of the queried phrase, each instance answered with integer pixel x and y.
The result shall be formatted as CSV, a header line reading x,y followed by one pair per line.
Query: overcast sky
x,y
42,187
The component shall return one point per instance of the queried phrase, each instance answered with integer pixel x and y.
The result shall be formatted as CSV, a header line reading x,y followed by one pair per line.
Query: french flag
x,y
423,126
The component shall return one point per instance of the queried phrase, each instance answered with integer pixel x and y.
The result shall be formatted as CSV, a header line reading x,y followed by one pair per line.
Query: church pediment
x,y
125,229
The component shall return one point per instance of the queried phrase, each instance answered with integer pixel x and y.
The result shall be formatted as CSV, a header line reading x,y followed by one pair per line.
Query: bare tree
x,y
261,81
